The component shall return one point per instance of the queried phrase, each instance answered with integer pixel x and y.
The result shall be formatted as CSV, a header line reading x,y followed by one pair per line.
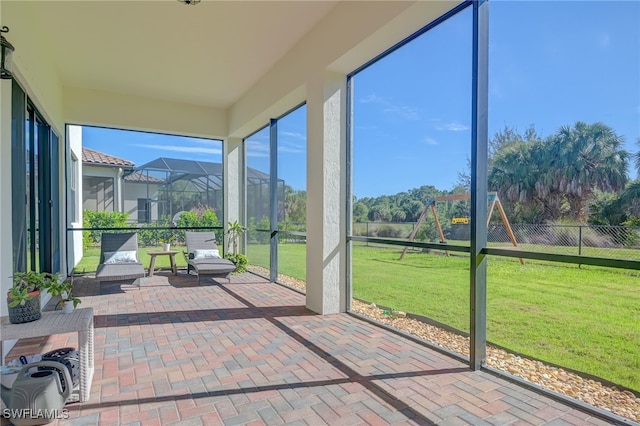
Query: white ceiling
x,y
216,69
207,54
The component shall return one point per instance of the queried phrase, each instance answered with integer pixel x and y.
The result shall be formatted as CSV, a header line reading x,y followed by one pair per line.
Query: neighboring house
x,y
111,184
188,184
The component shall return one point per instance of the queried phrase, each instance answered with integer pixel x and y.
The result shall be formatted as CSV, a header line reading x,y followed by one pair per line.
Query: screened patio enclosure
x,y
190,184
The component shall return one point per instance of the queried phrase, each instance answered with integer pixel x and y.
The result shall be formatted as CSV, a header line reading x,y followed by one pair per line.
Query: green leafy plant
x,y
150,235
169,240
64,290
240,260
197,217
71,299
394,313
26,283
234,232
101,220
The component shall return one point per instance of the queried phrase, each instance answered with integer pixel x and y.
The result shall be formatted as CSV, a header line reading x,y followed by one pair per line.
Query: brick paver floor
x,y
171,352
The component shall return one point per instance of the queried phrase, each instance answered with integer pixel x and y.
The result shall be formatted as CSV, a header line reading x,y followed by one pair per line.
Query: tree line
x,y
578,174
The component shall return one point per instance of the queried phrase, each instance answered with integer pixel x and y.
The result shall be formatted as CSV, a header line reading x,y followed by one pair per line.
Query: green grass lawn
x,y
587,319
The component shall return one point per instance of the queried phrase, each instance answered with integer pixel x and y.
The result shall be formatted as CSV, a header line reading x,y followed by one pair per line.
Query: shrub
x,y
240,260
633,236
633,239
564,236
427,231
388,231
148,235
102,219
258,236
197,217
360,229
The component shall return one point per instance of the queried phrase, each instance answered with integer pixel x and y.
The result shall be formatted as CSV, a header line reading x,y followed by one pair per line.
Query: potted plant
x,y
166,243
240,260
234,232
68,302
23,298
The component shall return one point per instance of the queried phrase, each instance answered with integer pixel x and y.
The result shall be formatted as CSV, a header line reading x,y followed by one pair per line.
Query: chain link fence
x,y
616,242
383,230
620,242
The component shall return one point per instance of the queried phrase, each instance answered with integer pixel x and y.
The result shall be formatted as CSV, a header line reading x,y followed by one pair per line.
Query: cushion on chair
x,y
212,265
119,257
125,256
119,271
206,254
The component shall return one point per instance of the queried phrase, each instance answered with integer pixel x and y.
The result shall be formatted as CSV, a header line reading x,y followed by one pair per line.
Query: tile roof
x,y
137,177
90,156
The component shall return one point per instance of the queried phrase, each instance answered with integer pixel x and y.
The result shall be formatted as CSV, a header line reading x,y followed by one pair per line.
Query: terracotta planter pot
x,y
28,312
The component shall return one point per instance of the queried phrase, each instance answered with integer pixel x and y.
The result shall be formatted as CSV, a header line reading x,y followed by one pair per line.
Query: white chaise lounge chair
x,y
119,258
204,257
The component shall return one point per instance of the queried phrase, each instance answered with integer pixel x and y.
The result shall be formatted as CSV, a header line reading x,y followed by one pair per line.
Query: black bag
x,y
67,357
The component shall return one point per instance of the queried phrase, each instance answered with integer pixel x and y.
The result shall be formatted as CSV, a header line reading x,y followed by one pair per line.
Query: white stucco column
x,y
118,198
233,194
326,192
75,251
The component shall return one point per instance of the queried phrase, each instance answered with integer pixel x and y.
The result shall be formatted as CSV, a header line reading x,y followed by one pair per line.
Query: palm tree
x,y
510,174
629,200
584,158
515,174
636,157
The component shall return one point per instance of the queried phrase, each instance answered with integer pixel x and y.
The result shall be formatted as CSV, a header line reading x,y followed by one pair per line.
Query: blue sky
x,y
551,64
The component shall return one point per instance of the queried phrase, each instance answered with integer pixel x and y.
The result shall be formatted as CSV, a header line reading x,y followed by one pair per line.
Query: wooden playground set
x,y
432,206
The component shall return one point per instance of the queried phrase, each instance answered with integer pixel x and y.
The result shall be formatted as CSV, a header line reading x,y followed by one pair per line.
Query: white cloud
x,y
262,150
180,148
295,135
253,145
296,149
430,141
372,98
405,111
453,126
257,149
289,150
254,154
286,144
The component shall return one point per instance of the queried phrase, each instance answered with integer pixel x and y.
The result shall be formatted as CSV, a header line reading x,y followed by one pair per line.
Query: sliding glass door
x,y
35,188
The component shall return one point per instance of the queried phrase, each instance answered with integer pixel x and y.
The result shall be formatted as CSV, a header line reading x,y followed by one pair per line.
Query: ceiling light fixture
x,y
5,55
189,2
